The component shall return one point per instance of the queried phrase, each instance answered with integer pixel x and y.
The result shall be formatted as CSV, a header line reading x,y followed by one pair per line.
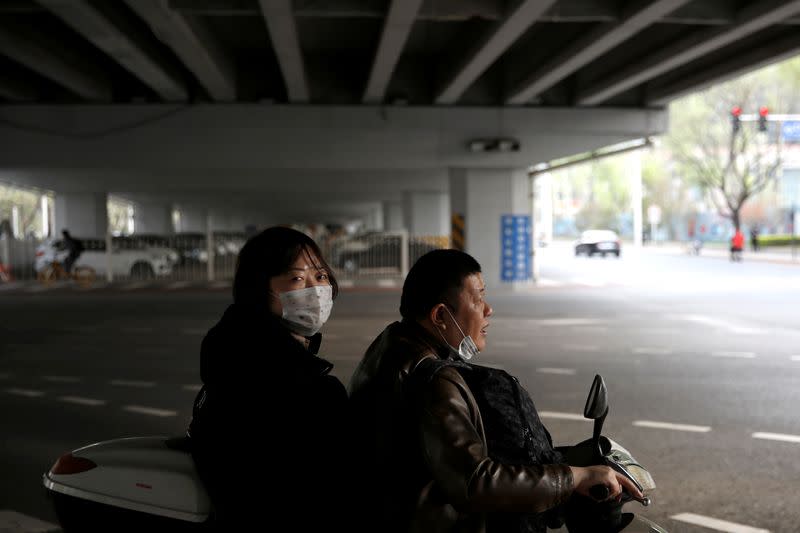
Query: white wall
x,y
84,215
426,213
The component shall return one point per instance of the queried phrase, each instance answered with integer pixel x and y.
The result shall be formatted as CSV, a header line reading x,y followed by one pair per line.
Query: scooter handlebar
x,y
599,492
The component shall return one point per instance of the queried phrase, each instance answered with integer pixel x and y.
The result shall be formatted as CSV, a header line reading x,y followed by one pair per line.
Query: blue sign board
x,y
791,131
515,236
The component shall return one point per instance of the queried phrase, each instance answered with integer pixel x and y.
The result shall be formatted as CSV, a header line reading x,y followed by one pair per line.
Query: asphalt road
x,y
699,354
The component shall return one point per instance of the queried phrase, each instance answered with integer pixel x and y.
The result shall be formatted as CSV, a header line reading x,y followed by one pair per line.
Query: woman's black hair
x,y
437,277
268,254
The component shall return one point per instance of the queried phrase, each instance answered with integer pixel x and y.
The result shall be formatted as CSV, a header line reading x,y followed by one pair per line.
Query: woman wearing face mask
x,y
267,423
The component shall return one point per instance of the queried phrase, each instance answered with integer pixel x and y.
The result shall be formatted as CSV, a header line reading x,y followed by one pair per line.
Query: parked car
x,y
140,262
157,244
596,241
381,253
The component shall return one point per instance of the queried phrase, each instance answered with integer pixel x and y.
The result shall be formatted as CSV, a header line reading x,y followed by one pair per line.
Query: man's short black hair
x,y
436,277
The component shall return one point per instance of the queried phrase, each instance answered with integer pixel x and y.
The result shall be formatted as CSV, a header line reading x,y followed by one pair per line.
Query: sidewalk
x,y
775,254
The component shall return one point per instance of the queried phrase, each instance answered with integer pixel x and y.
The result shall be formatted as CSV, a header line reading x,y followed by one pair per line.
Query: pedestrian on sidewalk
x,y
754,238
737,245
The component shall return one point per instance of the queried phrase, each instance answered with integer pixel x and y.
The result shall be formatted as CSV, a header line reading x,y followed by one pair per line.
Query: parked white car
x,y
140,263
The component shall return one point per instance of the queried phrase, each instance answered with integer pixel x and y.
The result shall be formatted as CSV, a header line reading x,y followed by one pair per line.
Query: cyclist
x,y
74,247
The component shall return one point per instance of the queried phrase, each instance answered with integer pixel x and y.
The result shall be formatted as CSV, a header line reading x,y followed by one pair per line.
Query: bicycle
x,y
82,275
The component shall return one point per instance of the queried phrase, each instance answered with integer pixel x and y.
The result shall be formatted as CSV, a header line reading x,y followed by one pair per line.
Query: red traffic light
x,y
736,111
763,111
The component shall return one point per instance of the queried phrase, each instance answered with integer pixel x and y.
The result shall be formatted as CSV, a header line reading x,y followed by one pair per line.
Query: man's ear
x,y
436,316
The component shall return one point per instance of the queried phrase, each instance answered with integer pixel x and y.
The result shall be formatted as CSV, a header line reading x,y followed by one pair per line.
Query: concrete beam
x,y
396,28
283,32
23,49
209,138
193,44
589,48
126,49
773,52
500,38
750,20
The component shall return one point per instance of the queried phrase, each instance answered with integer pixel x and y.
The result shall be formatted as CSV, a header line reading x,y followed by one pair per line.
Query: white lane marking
x,y
62,379
777,436
81,401
149,411
347,283
568,321
510,344
560,371
740,355
12,521
193,388
132,383
715,322
25,392
544,282
795,358
137,330
590,329
715,523
667,425
178,285
580,347
588,282
387,283
562,416
194,331
652,351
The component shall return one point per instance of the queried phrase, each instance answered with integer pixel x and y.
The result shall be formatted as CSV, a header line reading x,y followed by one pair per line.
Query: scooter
x,y
151,482
597,514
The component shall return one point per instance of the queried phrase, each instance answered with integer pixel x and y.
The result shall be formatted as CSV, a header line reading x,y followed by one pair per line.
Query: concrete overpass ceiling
x,y
351,52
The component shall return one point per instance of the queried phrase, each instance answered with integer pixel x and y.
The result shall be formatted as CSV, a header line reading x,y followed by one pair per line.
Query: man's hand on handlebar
x,y
585,478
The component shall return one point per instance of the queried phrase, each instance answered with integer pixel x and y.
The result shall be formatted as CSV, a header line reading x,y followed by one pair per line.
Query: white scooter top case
x,y
153,475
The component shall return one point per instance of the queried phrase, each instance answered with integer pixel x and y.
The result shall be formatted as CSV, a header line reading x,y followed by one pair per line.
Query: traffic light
x,y
763,113
736,124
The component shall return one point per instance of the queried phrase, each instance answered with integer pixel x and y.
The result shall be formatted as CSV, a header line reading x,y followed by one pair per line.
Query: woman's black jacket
x,y
268,426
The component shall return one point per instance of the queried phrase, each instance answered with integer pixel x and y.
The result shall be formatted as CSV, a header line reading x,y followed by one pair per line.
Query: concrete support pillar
x,y
634,161
393,216
83,214
153,219
544,199
485,196
426,213
374,221
193,220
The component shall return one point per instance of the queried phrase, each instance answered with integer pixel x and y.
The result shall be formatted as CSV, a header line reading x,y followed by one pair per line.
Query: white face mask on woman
x,y
467,348
305,311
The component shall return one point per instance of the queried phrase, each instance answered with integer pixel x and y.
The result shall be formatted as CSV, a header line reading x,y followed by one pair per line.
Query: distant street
x,y
701,358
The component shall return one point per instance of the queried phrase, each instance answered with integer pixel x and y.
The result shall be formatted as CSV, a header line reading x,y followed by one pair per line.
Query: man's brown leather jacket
x,y
428,469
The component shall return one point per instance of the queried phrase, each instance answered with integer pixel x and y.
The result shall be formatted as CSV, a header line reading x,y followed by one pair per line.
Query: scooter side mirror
x,y
596,409
597,402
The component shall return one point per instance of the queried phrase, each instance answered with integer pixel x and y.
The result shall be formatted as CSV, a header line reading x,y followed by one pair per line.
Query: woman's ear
x,y
436,316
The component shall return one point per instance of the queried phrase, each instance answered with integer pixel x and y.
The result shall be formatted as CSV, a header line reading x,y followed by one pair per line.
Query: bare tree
x,y
732,165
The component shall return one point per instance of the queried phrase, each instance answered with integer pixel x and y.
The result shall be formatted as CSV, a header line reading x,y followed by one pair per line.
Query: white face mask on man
x,y
305,311
467,348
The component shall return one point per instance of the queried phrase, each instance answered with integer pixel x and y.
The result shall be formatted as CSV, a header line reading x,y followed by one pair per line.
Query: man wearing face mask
x,y
267,424
425,463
